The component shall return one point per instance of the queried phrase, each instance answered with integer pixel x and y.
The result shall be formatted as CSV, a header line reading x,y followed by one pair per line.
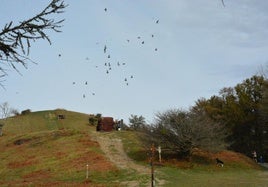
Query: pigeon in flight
x,y
157,21
105,9
105,48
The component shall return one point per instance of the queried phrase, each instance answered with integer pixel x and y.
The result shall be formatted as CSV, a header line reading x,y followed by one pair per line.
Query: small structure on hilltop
x,y
1,126
105,124
61,116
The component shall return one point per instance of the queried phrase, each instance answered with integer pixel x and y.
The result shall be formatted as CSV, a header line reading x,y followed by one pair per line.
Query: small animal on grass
x,y
219,162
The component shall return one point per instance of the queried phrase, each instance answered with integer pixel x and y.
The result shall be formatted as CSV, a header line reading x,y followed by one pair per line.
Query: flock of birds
x,y
109,66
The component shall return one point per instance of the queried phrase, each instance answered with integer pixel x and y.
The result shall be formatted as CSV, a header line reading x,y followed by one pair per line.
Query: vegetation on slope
x,y
39,149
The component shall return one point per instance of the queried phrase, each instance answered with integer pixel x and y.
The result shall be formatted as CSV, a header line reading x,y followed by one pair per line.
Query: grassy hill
x,y
38,149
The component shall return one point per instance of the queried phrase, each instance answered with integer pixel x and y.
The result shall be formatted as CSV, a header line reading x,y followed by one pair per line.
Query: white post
x,y
159,152
87,172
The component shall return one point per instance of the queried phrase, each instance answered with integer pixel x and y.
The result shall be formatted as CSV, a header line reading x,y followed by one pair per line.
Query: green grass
x,y
221,177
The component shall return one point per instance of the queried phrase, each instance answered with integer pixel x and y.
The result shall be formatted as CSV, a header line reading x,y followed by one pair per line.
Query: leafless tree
x,y
183,131
16,39
5,110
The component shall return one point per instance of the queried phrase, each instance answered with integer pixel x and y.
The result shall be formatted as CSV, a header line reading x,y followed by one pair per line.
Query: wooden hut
x,y
105,124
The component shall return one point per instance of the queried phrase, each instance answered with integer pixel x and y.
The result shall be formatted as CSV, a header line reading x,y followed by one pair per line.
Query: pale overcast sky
x,y
197,48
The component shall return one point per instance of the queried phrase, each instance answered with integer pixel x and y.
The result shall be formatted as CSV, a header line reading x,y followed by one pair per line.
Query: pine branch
x,y
15,40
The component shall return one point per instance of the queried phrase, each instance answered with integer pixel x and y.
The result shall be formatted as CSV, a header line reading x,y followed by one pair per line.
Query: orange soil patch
x,y
228,157
41,174
95,162
20,164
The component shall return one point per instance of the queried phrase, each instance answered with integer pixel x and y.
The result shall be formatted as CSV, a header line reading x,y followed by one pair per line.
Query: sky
x,y
160,54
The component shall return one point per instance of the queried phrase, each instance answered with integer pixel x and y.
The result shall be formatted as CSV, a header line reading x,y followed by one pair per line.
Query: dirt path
x,y
113,148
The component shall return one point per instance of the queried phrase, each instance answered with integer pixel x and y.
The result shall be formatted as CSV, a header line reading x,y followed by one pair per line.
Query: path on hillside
x,y
113,148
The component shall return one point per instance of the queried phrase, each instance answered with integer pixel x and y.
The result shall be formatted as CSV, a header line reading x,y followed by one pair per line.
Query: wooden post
x,y
152,165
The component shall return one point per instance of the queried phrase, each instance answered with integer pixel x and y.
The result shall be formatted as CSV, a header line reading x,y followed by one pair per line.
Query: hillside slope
x,y
38,149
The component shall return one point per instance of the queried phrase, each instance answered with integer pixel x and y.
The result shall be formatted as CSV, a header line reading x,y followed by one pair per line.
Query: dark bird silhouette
x,y
152,35
157,21
93,93
73,82
139,37
118,63
109,56
127,40
142,42
105,9
131,76
123,63
59,55
105,64
126,79
223,3
105,48
86,83
107,71
84,96
155,49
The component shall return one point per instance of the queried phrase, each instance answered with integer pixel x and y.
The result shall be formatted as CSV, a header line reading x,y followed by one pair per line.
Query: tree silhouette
x,y
15,40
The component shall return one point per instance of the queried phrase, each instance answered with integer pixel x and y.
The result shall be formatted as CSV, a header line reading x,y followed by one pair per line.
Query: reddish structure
x,y
105,124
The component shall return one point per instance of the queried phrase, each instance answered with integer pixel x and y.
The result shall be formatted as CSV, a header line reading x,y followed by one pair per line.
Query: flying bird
x,y
59,55
86,83
131,76
142,42
155,49
105,9
127,40
109,56
152,35
223,3
157,21
84,96
105,48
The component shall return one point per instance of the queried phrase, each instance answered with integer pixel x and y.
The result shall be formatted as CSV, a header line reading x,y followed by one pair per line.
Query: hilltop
x,y
40,149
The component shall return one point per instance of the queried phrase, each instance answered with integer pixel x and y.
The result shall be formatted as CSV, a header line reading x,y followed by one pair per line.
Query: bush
x,y
25,112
